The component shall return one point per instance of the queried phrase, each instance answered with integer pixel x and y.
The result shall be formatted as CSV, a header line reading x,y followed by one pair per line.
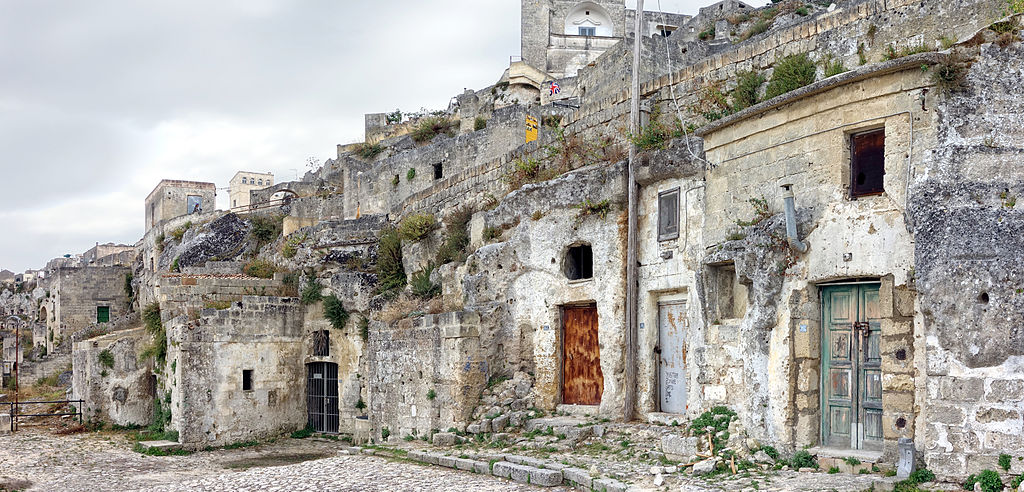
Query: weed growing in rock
x,y
707,34
428,128
178,233
989,480
747,85
422,287
1004,461
950,75
479,123
791,73
265,229
258,267
155,327
302,433
832,66
385,433
410,174
417,226
291,246
106,358
803,459
714,422
367,150
456,238
761,212
364,328
431,394
589,208
390,272
360,404
311,293
335,312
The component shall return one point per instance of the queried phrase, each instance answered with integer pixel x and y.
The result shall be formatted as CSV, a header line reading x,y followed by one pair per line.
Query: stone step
x,y
167,446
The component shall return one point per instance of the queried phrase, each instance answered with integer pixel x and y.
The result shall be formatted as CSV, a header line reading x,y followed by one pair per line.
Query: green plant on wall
x,y
791,73
410,174
335,312
390,271
106,358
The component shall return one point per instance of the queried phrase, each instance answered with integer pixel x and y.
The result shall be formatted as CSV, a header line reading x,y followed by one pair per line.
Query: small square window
x,y
321,343
438,170
246,379
588,31
867,163
579,262
668,215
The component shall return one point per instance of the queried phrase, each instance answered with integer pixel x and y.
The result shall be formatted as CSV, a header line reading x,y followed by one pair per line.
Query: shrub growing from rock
x,y
791,73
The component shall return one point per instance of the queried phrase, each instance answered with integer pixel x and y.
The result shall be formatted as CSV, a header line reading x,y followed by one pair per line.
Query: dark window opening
x,y
579,262
246,379
668,215
867,166
321,343
438,171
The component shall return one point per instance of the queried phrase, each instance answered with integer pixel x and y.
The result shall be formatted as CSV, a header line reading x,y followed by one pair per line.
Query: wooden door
x,y
851,367
582,381
672,359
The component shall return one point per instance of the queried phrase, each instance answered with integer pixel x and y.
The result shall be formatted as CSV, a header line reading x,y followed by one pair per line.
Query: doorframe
x,y
560,342
667,299
822,394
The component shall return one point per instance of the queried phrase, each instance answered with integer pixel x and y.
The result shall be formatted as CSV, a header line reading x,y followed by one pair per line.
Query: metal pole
x,y
631,235
17,369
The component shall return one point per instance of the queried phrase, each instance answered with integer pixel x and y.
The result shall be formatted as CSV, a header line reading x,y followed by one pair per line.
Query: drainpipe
x,y
791,237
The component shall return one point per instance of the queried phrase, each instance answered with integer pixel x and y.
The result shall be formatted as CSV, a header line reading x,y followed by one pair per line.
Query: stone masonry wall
x,y
119,390
969,235
408,360
205,360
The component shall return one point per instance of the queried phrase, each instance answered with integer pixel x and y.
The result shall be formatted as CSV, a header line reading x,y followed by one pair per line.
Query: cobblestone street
x,y
104,461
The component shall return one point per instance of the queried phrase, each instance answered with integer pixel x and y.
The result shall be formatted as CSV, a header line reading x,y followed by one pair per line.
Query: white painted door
x,y
672,367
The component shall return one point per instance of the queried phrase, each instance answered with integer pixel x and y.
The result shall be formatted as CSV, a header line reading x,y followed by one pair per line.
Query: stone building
x,y
83,297
836,262
245,181
174,198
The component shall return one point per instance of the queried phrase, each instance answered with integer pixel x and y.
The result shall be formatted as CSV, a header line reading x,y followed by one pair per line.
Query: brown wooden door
x,y
582,381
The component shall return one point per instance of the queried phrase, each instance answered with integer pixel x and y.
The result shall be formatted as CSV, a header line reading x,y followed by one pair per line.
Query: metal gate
x,y
672,360
322,396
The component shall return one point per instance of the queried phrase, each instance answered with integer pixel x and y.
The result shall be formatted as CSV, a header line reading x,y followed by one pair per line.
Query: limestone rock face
x,y
222,239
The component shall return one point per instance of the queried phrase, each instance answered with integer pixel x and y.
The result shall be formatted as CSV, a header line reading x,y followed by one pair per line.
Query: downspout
x,y
791,237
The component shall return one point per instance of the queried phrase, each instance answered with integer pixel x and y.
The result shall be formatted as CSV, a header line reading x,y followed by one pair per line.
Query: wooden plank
x,y
582,379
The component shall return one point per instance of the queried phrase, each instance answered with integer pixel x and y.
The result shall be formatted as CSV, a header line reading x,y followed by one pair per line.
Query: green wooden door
x,y
102,314
851,364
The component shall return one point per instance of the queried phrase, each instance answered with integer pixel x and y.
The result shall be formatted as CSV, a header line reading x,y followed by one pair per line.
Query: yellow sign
x,y
531,128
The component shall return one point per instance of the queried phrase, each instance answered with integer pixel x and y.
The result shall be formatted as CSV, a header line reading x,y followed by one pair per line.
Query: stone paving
x,y
104,461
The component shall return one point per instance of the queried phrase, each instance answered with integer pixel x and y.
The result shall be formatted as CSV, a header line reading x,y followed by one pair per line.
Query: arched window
x,y
260,183
589,19
243,181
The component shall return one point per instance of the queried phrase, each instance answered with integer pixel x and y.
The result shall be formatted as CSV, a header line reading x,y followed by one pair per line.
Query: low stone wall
x,y
424,373
180,293
114,382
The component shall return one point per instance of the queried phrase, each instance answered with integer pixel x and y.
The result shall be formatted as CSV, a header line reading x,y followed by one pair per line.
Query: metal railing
x,y
15,407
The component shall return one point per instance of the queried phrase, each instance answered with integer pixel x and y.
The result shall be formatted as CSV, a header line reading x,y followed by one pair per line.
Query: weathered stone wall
x,y
409,359
187,293
115,384
170,199
372,188
76,294
968,231
205,360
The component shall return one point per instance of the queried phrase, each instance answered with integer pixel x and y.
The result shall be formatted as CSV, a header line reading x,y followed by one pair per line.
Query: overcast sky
x,y
99,100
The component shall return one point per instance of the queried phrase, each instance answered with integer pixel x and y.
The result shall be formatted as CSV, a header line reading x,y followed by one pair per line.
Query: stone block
x,y
1006,390
499,423
474,428
578,476
961,389
987,415
520,473
465,464
444,439
678,447
945,414
446,461
482,468
609,485
502,469
545,478
5,423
